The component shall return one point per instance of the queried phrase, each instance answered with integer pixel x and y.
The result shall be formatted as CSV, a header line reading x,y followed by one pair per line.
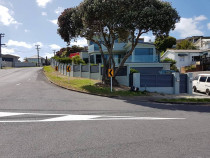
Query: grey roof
x,y
10,55
35,57
186,51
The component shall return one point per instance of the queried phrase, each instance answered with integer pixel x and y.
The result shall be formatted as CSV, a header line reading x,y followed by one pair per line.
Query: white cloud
x,y
43,3
80,42
49,55
200,18
55,46
54,21
7,51
26,30
44,13
6,16
59,10
19,44
190,26
208,25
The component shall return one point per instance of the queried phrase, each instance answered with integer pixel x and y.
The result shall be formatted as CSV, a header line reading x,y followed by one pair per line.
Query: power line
x,y
37,48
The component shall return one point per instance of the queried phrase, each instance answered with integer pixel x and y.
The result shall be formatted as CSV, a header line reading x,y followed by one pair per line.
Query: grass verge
x,y
187,100
85,85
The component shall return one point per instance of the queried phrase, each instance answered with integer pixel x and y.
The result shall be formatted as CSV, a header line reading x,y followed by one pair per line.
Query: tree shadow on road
x,y
169,106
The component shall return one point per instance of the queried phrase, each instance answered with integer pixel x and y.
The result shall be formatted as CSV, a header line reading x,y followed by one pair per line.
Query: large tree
x,y
162,43
65,52
104,21
185,44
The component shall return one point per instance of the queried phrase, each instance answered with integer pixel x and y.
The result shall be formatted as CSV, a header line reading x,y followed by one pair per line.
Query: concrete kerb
x,y
77,90
150,98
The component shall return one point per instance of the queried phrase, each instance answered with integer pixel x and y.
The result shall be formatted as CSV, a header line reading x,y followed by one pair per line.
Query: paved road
x,y
38,119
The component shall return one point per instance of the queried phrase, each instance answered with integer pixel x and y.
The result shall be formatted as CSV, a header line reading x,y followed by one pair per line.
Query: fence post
x,y
189,82
99,68
72,70
176,82
136,80
128,73
80,65
89,70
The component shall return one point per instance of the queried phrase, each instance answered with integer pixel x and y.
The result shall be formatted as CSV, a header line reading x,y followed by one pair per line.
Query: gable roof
x,y
35,57
184,51
10,55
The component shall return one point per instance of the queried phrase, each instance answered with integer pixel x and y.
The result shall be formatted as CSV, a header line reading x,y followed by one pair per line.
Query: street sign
x,y
68,68
110,72
56,68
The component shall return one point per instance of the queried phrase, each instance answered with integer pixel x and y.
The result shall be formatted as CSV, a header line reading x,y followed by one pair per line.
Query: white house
x,y
34,59
185,57
203,43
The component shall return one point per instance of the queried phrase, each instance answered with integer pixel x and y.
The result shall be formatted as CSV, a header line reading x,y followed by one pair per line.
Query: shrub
x,y
173,64
77,60
63,60
133,71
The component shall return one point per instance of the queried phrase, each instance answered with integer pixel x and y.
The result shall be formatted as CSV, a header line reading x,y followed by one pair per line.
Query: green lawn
x,y
85,85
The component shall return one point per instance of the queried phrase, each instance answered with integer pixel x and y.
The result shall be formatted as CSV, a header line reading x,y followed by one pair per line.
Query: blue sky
x,y
26,23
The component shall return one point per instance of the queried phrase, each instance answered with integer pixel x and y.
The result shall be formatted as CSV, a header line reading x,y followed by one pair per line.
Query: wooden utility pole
x,y
37,48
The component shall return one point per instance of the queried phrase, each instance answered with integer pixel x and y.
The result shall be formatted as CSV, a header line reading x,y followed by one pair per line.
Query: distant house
x,y
185,57
144,58
34,59
200,42
9,60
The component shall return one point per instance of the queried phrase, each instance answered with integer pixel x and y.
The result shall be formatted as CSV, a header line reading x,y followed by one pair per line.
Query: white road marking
x,y
18,84
5,114
67,117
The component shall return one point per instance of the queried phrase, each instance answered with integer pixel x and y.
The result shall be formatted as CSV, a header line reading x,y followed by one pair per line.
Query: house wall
x,y
22,64
181,61
35,60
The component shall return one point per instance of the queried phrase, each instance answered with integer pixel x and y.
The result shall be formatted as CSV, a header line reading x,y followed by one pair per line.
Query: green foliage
x,y
173,64
65,52
70,24
94,64
104,21
133,71
191,67
162,43
77,60
185,44
65,60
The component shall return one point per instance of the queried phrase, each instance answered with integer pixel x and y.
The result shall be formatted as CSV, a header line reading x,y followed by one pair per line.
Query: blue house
x,y
144,58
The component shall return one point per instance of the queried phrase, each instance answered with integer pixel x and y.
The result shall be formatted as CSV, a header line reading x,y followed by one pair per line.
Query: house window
x,y
92,59
195,58
98,59
181,59
143,51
